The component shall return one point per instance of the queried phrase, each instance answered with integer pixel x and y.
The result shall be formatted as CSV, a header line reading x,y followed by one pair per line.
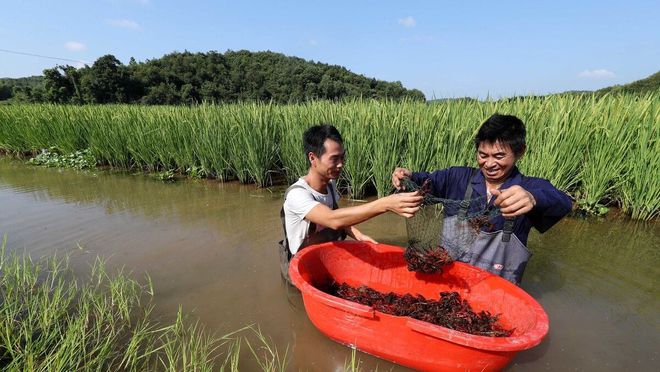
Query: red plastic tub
x,y
406,341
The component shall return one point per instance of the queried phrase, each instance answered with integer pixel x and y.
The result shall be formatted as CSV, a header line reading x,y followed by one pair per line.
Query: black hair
x,y
314,139
505,129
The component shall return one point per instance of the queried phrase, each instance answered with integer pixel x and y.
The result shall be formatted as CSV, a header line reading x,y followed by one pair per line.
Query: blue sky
x,y
443,48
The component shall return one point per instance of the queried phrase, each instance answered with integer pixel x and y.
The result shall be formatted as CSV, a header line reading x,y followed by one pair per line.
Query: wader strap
x,y
465,203
508,229
285,242
331,190
332,194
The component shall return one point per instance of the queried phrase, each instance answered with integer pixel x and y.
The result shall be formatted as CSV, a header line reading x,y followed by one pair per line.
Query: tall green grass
x,y
600,150
639,189
557,138
254,134
292,157
388,139
52,321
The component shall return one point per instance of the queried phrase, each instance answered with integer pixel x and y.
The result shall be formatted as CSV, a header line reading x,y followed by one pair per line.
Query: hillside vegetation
x,y
189,78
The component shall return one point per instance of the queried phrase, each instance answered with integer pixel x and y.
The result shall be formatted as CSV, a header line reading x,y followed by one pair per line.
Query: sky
x,y
444,48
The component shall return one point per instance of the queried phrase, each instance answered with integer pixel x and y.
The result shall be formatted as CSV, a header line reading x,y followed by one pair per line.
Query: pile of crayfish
x,y
450,311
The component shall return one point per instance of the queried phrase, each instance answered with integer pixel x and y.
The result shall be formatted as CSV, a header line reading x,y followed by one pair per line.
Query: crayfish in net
x,y
481,222
427,262
450,311
443,230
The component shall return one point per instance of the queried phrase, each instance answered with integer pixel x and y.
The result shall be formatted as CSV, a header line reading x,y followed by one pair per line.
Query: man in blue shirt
x,y
524,202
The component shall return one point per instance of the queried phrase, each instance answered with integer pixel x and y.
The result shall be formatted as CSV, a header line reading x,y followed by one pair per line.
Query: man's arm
x,y
403,204
551,205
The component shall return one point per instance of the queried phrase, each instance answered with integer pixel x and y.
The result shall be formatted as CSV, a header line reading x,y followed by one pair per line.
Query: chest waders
x,y
499,252
313,236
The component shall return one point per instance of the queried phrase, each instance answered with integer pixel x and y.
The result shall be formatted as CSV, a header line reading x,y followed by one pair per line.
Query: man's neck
x,y
317,182
493,185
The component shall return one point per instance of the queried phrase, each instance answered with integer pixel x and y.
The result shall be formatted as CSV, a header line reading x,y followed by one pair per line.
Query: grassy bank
x,y
602,151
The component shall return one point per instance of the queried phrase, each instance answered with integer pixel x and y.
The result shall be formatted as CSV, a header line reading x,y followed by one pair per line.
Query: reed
x,y
583,144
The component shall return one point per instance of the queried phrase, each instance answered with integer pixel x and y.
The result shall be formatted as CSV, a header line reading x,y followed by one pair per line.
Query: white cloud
x,y
408,21
313,42
597,74
124,23
75,46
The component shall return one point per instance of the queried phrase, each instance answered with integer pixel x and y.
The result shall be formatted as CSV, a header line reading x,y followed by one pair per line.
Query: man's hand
x,y
404,204
363,238
356,234
398,175
513,201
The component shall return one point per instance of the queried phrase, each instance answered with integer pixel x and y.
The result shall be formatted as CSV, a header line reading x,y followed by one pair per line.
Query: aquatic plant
x,y
80,159
53,321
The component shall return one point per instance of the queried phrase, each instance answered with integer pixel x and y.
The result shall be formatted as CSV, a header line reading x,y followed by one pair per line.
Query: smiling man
x,y
311,214
524,202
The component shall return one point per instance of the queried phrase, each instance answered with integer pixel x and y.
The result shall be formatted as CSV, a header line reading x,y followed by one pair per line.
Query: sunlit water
x,y
210,247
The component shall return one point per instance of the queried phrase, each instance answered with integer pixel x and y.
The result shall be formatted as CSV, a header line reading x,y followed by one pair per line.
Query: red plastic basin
x,y
403,340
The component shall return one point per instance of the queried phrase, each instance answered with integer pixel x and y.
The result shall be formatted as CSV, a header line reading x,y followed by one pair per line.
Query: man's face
x,y
495,161
330,164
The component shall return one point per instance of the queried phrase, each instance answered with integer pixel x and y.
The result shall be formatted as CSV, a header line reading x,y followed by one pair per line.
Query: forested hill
x,y
12,87
649,84
186,78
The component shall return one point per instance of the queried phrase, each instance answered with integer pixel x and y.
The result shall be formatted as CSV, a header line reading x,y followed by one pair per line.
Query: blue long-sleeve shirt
x,y
551,204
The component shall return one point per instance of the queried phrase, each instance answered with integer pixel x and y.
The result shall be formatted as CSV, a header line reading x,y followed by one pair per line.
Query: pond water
x,y
210,247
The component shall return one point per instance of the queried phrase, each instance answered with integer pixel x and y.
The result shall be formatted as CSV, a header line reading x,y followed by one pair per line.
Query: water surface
x,y
210,247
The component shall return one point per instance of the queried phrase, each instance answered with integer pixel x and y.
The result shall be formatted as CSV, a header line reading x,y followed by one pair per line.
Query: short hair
x,y
507,129
315,136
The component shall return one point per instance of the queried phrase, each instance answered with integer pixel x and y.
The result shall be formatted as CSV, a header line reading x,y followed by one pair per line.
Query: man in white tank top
x,y
310,211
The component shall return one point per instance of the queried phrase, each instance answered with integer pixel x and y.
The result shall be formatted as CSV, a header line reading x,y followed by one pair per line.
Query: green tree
x,y
6,92
62,85
106,81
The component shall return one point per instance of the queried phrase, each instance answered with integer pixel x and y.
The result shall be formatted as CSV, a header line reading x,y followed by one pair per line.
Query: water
x,y
210,247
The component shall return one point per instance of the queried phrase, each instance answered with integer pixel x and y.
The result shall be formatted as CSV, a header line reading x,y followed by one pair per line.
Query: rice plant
x,y
355,121
600,150
265,352
254,133
52,321
389,142
295,120
640,188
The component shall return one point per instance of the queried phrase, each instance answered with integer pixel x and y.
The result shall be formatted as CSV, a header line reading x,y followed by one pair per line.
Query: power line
x,y
42,56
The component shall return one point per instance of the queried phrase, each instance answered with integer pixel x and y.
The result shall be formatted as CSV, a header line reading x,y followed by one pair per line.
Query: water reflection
x,y
211,248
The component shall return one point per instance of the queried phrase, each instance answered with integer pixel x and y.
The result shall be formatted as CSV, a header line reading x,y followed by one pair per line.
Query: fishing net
x,y
443,230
